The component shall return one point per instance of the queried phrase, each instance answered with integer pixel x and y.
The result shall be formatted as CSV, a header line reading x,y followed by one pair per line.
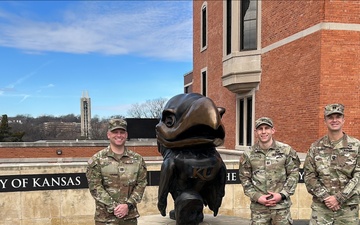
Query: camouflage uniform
x,y
114,180
275,170
334,169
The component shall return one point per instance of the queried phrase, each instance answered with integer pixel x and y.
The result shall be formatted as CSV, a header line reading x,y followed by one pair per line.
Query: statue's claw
x,y
215,212
162,208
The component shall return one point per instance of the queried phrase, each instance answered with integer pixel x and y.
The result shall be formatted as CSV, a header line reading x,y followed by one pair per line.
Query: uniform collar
x,y
113,154
272,146
327,142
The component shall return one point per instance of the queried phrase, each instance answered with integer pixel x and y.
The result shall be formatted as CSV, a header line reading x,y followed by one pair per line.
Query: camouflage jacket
x,y
275,170
333,170
113,181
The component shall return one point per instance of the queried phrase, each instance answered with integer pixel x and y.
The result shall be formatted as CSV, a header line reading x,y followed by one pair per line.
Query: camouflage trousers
x,y
118,222
271,217
346,215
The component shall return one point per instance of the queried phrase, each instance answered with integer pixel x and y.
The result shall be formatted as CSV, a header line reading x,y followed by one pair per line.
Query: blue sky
x,y
119,52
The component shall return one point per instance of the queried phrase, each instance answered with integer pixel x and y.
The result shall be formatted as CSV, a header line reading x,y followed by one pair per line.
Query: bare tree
x,y
149,109
136,111
98,129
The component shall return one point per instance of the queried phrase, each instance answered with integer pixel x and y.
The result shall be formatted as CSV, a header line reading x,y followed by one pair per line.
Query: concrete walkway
x,y
208,220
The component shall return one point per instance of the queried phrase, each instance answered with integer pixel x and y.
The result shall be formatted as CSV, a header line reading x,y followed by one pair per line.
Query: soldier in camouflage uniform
x,y
117,179
332,173
269,173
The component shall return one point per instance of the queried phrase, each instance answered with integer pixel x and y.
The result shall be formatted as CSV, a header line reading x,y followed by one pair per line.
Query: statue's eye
x,y
169,120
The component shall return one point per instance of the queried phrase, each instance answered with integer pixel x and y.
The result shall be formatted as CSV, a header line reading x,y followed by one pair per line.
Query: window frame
x,y
204,81
242,24
245,121
228,20
204,27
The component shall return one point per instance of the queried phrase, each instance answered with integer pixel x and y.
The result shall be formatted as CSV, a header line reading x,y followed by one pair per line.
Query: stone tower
x,y
85,108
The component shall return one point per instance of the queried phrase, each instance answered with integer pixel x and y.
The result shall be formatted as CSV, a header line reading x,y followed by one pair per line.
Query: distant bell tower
x,y
85,107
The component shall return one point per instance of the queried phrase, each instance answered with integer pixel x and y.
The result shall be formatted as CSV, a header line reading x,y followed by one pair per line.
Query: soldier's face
x,y
334,122
264,133
117,137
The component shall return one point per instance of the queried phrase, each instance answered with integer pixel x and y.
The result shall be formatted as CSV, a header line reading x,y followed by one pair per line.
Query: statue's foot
x,y
189,208
172,215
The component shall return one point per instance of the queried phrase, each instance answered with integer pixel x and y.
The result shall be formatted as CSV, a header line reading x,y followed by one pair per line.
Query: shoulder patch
x,y
90,161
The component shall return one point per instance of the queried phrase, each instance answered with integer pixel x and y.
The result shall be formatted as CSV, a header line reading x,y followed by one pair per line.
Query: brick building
x,y
282,59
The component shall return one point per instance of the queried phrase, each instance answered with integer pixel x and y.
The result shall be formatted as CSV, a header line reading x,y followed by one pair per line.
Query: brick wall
x,y
299,78
342,11
289,91
212,59
281,19
340,74
33,150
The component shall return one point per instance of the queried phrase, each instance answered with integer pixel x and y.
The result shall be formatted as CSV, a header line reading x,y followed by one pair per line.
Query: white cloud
x,y
12,86
49,86
24,98
158,29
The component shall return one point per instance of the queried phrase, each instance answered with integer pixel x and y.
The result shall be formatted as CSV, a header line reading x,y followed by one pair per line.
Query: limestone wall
x,y
76,206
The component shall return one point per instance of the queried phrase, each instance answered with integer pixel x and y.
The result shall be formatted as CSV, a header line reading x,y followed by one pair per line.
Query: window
x,y
203,83
203,27
228,26
248,25
245,129
186,89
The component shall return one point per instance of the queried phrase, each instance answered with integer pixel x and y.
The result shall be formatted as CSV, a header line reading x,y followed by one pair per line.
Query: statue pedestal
x,y
208,220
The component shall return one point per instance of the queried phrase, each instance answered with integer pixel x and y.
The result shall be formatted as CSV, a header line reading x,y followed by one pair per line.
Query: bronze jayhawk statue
x,y
193,171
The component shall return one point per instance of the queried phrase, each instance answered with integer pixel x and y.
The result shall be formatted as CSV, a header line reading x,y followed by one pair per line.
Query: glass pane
x,y
241,122
204,27
248,25
228,26
249,130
